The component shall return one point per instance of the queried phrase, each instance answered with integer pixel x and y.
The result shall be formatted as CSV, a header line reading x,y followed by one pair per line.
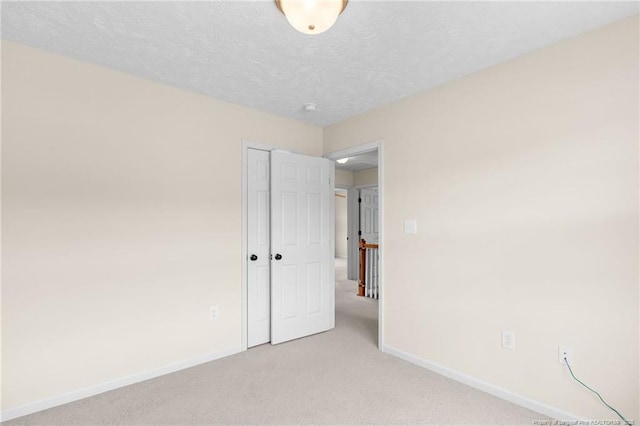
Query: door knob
x,y
253,258
278,256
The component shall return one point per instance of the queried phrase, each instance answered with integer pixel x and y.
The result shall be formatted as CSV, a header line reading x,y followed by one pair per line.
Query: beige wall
x,y
523,179
365,177
121,222
344,178
341,228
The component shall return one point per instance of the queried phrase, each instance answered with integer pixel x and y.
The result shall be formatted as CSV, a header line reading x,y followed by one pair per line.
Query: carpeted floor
x,y
337,377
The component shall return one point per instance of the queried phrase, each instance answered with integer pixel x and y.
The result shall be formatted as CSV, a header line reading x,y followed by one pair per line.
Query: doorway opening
x,y
359,173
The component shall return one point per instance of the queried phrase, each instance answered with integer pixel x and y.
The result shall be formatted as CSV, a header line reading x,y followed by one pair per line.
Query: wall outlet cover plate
x,y
410,226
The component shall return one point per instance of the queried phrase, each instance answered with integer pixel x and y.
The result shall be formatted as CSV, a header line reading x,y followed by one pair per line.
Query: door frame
x,y
361,149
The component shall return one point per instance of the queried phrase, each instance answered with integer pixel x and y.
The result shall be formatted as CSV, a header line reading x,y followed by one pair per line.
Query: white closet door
x,y
302,246
258,249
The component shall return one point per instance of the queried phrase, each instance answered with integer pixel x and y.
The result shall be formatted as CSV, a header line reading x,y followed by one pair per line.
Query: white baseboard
x,y
76,395
501,393
67,397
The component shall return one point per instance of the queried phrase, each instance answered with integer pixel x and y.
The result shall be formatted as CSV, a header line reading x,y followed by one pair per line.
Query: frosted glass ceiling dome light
x,y
311,16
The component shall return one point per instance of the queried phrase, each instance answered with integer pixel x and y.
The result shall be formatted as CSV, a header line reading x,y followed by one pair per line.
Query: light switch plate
x,y
410,226
508,340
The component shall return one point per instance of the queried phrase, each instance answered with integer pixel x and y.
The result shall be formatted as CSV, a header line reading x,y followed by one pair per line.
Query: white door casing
x,y
258,248
369,212
302,246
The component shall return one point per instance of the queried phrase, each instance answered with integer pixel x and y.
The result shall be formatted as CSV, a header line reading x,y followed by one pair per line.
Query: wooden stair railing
x,y
363,246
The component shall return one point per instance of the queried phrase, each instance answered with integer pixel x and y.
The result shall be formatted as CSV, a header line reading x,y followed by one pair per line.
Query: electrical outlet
x,y
508,340
565,352
213,313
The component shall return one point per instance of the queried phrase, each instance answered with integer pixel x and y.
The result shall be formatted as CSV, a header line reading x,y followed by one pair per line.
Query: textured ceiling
x,y
246,52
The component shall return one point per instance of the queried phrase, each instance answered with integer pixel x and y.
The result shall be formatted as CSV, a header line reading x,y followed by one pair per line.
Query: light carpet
x,y
336,377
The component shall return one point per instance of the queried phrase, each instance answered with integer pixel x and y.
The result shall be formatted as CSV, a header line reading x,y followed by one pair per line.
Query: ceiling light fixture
x,y
342,160
311,16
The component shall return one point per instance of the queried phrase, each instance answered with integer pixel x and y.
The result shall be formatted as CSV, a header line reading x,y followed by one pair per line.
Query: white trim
x,y
360,149
382,285
67,397
499,392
